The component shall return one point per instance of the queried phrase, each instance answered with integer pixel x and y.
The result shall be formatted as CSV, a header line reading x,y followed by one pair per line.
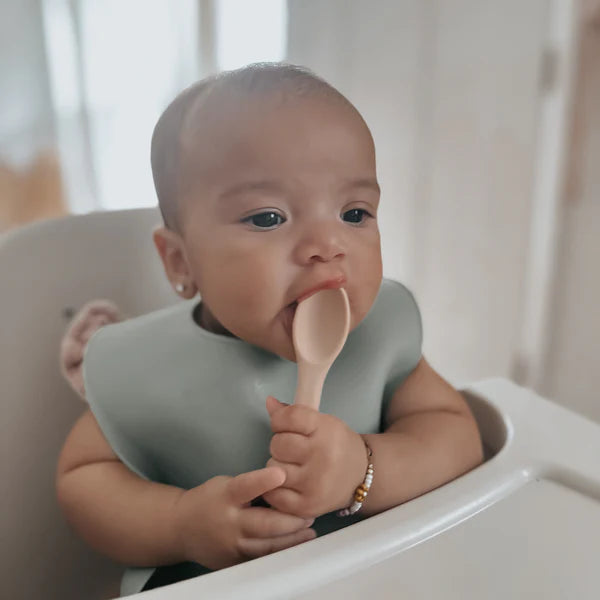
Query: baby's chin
x,y
281,342
276,337
279,345
273,338
286,349
286,352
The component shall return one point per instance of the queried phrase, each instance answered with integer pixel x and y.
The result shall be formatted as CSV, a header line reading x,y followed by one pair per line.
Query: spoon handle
x,y
310,384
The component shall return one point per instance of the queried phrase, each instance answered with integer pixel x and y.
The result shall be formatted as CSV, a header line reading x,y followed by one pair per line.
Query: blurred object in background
x,y
571,374
115,65
32,193
590,12
91,78
248,32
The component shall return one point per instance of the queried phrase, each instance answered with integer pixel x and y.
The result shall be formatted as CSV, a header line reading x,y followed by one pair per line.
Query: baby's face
x,y
286,204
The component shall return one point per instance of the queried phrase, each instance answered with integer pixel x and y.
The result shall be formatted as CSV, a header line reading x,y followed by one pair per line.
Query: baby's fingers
x,y
247,486
254,547
267,523
71,353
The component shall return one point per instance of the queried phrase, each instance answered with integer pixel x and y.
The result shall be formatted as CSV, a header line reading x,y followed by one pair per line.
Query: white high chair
x,y
526,523
48,270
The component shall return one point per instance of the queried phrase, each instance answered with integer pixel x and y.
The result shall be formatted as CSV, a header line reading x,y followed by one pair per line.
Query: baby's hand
x,y
217,527
323,458
87,321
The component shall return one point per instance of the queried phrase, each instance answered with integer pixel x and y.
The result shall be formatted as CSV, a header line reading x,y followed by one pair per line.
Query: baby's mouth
x,y
288,316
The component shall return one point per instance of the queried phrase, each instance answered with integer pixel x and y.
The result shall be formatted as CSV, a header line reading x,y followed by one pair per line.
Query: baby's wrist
x,y
363,481
176,528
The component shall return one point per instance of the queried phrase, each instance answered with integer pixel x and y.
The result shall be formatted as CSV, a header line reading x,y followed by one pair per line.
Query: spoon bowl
x,y
319,332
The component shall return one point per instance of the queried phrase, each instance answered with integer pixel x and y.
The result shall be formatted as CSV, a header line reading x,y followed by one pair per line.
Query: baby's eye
x,y
265,220
355,215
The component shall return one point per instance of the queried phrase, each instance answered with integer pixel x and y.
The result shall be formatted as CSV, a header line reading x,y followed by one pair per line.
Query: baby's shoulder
x,y
136,337
395,304
393,319
394,293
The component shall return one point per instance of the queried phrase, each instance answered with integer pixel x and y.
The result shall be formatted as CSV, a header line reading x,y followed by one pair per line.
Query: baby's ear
x,y
170,250
172,253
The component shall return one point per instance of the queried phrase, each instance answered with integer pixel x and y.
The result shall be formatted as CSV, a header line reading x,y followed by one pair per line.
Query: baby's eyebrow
x,y
264,186
277,188
368,183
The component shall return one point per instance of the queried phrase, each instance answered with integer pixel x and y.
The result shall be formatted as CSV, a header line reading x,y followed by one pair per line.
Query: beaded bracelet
x,y
362,490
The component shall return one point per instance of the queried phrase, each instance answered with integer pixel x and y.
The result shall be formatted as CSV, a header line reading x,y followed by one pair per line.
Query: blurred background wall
x,y
485,116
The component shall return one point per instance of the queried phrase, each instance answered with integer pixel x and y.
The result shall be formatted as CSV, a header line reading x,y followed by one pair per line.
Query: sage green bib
x,y
179,405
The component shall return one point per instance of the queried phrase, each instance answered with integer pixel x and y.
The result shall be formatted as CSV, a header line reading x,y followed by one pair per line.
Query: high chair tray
x,y
525,524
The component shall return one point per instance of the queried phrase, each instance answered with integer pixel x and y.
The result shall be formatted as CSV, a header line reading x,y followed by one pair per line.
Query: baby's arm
x,y
142,523
431,438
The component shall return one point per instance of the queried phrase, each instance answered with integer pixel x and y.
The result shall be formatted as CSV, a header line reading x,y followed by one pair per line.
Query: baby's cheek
x,y
259,279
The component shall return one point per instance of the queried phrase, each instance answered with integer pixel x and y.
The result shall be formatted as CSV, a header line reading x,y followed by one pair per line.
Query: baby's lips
x,y
329,284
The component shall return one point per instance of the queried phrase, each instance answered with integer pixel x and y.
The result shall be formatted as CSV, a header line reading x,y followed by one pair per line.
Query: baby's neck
x,y
205,319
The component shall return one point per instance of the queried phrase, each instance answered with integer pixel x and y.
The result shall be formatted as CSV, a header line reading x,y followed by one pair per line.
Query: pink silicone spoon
x,y
320,329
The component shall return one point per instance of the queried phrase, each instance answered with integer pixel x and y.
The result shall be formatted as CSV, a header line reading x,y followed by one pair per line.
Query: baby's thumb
x,y
247,486
273,404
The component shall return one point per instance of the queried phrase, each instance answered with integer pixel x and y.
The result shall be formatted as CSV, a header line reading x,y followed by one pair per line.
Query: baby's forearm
x,y
121,515
419,453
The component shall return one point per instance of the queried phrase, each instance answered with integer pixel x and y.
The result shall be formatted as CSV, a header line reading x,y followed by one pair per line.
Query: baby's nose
x,y
320,244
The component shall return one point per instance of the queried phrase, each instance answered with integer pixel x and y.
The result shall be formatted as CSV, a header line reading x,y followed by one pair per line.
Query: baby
x,y
186,460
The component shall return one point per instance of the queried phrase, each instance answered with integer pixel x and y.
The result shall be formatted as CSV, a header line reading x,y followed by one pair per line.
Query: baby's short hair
x,y
259,78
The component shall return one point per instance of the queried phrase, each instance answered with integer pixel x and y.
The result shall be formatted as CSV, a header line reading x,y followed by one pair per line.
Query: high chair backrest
x,y
47,271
